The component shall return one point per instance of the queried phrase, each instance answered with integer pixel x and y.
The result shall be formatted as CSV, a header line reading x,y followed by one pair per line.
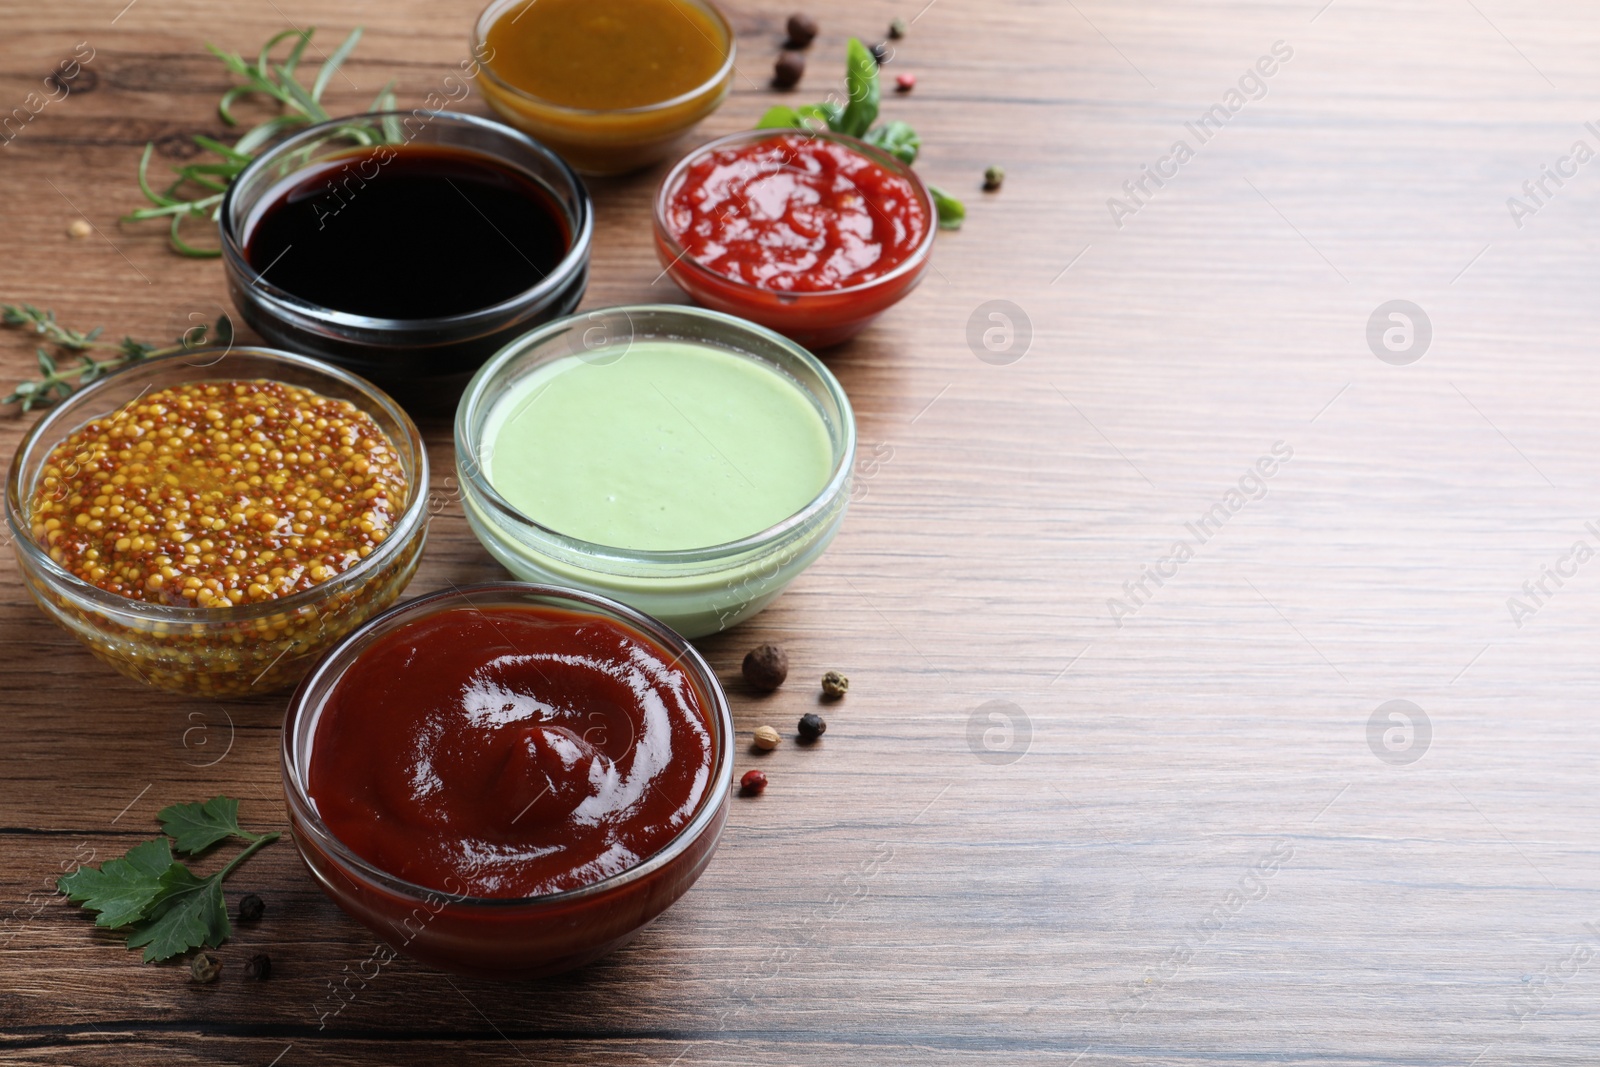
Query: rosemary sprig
x,y
198,191
58,381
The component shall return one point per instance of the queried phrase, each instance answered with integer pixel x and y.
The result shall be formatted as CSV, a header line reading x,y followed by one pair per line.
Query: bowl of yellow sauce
x,y
611,85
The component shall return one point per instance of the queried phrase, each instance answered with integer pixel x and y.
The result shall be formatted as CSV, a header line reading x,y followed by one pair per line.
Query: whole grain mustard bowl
x,y
259,645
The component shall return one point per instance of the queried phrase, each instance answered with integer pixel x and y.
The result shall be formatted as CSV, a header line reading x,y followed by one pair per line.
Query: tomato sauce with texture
x,y
515,751
796,214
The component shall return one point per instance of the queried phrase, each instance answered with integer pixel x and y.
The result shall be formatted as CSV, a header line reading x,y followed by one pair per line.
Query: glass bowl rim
x,y
412,517
334,658
469,452
679,256
480,40
575,260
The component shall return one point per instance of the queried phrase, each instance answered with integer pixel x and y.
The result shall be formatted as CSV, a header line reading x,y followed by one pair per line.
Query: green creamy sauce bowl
x,y
685,462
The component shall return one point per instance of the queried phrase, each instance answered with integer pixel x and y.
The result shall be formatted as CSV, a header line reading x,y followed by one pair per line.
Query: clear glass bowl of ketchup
x,y
510,780
809,233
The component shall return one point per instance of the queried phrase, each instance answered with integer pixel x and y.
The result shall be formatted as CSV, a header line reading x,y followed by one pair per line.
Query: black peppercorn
x,y
790,67
204,968
812,726
881,52
802,30
766,666
258,966
250,908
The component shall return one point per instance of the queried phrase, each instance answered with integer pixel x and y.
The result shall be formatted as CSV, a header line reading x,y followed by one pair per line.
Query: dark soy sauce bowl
x,y
424,363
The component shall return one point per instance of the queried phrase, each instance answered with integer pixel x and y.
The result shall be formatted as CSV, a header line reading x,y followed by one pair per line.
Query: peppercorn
x,y
766,738
880,52
250,908
904,82
802,30
204,968
766,666
258,966
752,783
812,726
786,73
993,178
79,229
897,28
834,685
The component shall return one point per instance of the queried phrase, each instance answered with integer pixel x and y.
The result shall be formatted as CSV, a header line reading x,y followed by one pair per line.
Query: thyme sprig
x,y
199,188
59,381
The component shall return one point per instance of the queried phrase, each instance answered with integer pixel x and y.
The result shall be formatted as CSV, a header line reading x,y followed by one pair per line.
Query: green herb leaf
x,y
189,914
781,117
952,212
196,827
898,139
861,85
332,63
120,890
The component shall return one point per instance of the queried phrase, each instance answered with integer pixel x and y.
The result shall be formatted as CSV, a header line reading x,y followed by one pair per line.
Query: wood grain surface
x,y
1179,838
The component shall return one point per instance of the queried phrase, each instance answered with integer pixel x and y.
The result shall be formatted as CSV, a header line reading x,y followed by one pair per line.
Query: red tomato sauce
x,y
796,214
516,751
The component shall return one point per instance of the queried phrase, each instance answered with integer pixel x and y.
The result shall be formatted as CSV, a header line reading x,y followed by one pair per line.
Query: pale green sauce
x,y
672,446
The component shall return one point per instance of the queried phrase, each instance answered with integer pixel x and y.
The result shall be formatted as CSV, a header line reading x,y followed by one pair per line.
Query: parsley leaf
x,y
190,914
196,827
167,908
120,890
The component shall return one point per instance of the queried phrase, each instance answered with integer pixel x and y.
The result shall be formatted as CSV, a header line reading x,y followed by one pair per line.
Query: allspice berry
x,y
258,966
204,968
791,66
250,908
765,667
766,738
812,726
835,685
802,30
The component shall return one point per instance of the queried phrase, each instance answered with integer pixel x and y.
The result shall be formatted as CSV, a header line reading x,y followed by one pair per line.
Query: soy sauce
x,y
407,232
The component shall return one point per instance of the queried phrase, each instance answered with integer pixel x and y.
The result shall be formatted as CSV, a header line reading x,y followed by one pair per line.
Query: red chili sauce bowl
x,y
809,233
508,781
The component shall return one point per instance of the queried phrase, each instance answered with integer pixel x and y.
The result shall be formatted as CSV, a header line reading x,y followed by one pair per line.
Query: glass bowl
x,y
508,938
252,648
423,363
602,142
696,591
814,319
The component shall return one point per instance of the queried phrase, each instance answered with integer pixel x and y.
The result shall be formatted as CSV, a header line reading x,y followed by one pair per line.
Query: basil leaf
x,y
952,212
781,117
898,139
861,83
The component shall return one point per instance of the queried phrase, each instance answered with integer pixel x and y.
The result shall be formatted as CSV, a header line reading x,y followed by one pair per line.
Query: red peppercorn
x,y
905,82
753,782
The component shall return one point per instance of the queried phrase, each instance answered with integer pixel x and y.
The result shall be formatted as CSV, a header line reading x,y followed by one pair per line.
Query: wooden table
x,y
1191,832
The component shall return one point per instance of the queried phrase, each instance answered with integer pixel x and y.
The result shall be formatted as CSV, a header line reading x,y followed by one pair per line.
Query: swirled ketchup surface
x,y
792,213
516,750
